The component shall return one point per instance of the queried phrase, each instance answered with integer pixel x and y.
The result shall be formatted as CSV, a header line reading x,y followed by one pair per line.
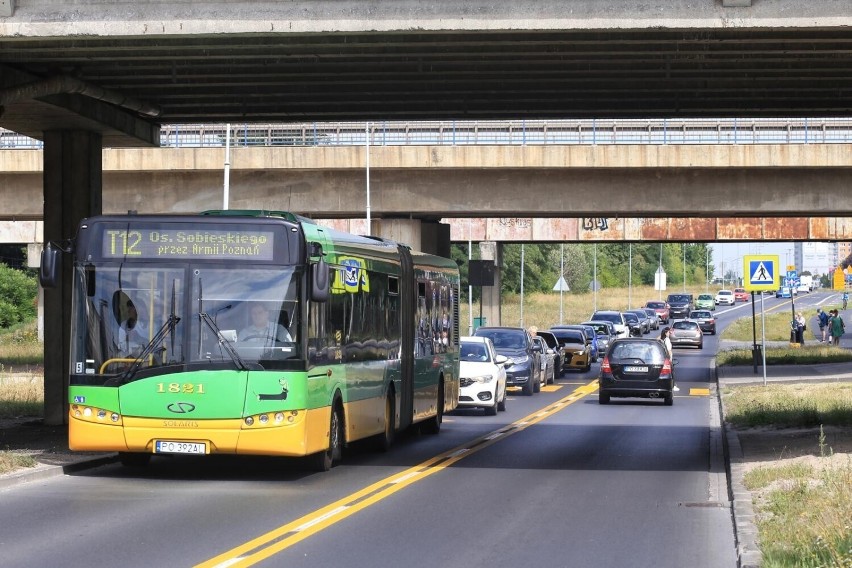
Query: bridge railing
x,y
519,132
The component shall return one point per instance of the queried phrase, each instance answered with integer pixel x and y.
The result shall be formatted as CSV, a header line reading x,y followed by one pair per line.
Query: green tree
x,y
18,292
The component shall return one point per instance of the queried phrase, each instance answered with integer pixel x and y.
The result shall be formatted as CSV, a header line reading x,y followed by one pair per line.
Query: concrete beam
x,y
157,18
7,8
55,109
434,182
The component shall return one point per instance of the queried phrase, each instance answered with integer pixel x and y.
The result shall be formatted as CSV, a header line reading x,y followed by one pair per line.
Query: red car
x,y
740,295
662,309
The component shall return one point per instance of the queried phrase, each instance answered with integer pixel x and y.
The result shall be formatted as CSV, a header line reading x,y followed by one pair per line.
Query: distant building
x,y
843,251
816,258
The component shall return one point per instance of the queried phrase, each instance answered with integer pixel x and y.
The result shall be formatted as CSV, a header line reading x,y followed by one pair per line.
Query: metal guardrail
x,y
524,132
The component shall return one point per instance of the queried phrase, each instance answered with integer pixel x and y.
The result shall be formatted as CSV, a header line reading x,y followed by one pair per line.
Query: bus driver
x,y
261,330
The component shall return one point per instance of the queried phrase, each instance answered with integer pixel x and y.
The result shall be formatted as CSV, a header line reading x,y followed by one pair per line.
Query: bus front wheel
x,y
324,461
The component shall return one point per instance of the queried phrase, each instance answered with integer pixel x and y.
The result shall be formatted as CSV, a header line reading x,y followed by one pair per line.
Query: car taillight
x,y
667,369
605,368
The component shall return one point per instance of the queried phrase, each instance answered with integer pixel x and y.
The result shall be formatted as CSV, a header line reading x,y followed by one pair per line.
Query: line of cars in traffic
x,y
499,357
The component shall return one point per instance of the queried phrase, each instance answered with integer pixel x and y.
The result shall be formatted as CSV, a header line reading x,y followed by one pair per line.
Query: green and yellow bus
x,y
253,332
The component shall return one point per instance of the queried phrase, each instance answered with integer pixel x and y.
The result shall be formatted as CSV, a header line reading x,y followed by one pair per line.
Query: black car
x,y
517,344
644,319
636,367
679,305
634,323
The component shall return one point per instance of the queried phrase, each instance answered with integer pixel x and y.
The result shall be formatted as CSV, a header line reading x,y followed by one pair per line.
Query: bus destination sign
x,y
198,243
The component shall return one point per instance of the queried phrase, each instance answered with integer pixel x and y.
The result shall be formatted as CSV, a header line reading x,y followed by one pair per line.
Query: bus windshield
x,y
134,317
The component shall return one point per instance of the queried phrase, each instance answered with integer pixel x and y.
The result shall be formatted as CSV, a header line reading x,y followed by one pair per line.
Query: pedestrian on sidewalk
x,y
822,318
664,337
800,328
837,327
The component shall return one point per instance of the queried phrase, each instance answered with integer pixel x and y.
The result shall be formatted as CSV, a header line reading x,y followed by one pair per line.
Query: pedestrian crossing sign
x,y
761,272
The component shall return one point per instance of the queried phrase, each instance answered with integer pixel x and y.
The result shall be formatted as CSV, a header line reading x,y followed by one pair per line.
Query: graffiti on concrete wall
x,y
592,223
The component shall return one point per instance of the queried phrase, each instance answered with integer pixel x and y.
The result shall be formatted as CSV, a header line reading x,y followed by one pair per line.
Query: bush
x,y
18,292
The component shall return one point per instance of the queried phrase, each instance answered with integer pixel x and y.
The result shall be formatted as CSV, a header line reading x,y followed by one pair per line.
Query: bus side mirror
x,y
51,267
319,281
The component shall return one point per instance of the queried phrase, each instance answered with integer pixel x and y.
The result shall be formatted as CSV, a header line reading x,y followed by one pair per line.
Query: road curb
x,y
41,471
749,554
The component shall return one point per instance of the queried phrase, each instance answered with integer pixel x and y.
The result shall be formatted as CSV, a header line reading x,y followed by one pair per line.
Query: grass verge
x,y
20,347
804,514
21,395
803,508
10,461
790,406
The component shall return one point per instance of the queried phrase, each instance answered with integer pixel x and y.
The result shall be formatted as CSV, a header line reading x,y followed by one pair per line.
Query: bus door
x,y
408,303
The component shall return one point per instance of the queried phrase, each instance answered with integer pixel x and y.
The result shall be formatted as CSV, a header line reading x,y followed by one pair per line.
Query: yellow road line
x,y
281,538
699,392
551,388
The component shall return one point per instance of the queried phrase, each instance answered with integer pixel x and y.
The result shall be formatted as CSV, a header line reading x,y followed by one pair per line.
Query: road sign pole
x,y
763,338
754,333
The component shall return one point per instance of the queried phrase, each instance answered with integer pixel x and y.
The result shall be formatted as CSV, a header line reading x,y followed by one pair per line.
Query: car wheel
x,y
492,410
588,367
701,345
713,331
528,388
536,386
603,398
502,404
668,399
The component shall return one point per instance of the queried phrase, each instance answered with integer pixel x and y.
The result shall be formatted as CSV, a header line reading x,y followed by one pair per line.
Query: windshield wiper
x,y
223,343
128,375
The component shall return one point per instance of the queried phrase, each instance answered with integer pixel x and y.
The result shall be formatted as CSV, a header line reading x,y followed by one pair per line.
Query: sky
x,y
731,254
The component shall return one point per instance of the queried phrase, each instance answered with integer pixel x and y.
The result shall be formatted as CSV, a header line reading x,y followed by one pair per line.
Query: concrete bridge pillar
x,y
72,191
490,250
425,236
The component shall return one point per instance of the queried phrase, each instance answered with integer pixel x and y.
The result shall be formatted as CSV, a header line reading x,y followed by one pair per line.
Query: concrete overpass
x,y
84,75
433,182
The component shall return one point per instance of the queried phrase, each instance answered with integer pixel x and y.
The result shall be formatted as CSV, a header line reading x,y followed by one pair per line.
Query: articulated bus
x,y
253,332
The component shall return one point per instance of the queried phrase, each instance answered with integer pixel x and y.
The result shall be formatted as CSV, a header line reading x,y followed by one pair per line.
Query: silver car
x,y
686,333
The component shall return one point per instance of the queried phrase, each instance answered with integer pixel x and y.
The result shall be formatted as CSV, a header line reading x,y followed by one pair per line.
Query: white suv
x,y
725,297
622,328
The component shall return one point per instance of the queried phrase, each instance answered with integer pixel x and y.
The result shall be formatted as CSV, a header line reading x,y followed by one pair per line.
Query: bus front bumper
x,y
299,433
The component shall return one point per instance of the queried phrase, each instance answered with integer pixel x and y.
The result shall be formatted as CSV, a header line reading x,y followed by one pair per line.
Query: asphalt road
x,y
557,480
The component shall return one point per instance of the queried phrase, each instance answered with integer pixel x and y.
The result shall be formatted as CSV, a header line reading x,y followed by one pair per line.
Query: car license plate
x,y
635,369
175,447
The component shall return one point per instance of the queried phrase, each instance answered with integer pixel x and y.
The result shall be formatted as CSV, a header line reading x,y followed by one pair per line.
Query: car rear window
x,y
656,305
700,315
614,318
506,339
572,337
646,351
684,325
